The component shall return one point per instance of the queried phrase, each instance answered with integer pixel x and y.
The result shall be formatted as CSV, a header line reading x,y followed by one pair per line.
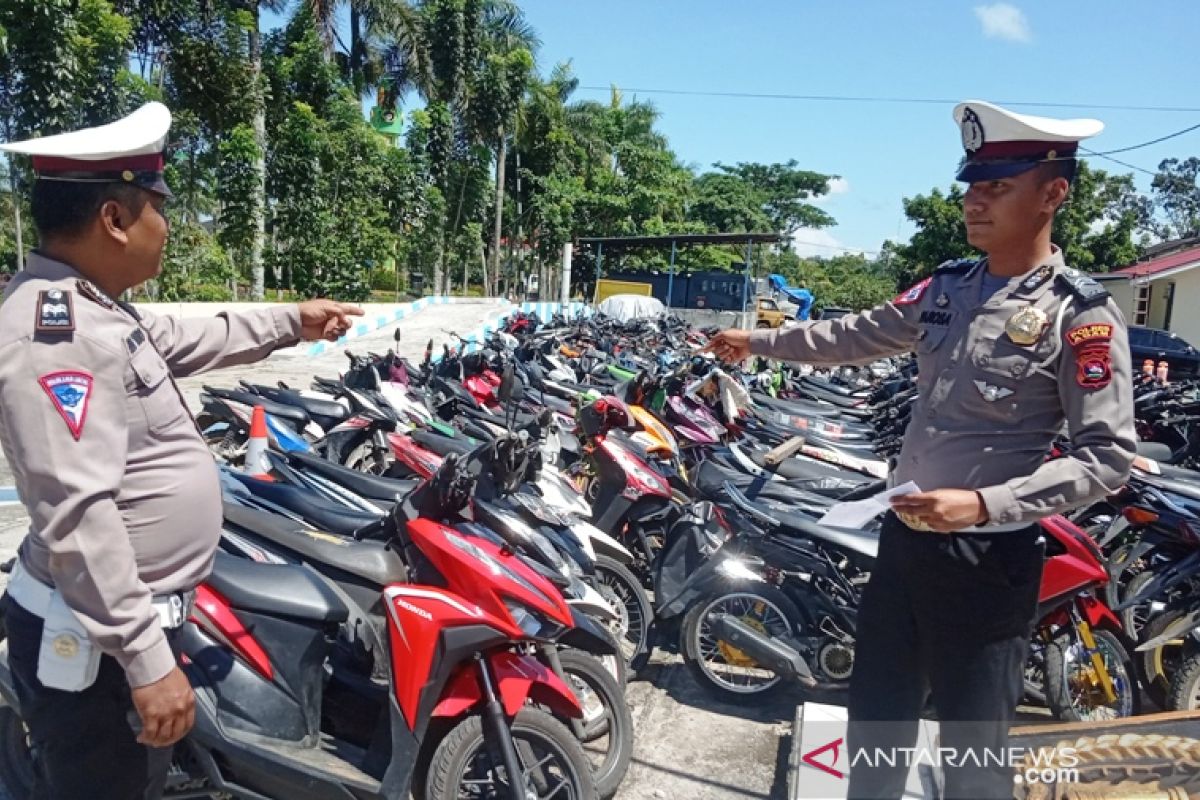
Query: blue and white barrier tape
x,y
372,324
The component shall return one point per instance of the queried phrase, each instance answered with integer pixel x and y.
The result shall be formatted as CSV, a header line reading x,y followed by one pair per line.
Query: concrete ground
x,y
687,744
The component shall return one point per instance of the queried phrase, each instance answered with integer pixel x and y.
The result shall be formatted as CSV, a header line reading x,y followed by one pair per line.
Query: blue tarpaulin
x,y
801,297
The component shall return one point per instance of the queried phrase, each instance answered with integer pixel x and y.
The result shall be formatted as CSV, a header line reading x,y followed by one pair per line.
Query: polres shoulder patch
x,y
914,293
70,391
55,312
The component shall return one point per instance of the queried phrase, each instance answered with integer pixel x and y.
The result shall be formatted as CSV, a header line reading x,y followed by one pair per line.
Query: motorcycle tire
x,y
620,586
1134,618
364,459
607,741
458,751
1159,665
16,760
1185,686
1059,696
693,632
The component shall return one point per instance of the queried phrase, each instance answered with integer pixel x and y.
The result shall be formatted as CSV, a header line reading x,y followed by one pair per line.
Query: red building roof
x,y
1184,258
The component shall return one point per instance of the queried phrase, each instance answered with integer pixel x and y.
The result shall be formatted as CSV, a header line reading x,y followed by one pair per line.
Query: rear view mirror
x,y
396,335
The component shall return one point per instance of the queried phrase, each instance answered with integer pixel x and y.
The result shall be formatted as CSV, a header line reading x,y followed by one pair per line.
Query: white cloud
x,y
836,186
812,242
1004,21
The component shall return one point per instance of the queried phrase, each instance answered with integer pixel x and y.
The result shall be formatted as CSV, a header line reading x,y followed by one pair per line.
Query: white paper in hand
x,y
857,513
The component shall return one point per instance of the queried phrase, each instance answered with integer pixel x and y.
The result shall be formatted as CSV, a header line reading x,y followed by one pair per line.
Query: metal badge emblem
x,y
992,393
943,300
66,646
913,522
1027,325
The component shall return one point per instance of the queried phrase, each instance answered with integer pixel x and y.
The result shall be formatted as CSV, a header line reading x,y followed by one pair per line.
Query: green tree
x,y
1176,190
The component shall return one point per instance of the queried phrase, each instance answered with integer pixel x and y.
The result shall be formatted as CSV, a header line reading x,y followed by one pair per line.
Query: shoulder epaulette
x,y
959,266
1086,290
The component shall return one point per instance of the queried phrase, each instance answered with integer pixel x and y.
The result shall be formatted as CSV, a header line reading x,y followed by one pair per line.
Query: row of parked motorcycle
x,y
439,576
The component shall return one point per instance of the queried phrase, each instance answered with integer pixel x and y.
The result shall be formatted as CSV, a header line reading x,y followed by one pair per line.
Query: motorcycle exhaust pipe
x,y
767,651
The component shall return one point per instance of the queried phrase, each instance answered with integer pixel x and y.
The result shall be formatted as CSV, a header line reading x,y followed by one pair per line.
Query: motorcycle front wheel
x,y
1072,687
553,764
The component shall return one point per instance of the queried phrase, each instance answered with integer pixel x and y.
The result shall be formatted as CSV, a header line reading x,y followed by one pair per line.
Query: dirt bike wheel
x,y
716,665
1062,695
542,743
607,740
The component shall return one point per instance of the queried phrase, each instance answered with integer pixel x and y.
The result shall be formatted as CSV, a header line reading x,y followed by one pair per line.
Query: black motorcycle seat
x,y
286,590
862,542
370,560
297,417
442,445
317,511
371,487
327,412
1189,488
798,407
710,478
794,509
794,468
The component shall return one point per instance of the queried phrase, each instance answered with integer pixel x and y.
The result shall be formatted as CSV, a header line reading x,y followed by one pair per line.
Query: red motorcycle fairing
x,y
421,461
464,564
482,390
640,478
1097,614
213,613
519,678
1075,562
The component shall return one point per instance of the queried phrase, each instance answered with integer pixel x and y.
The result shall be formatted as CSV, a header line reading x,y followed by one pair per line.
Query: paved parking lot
x,y
687,745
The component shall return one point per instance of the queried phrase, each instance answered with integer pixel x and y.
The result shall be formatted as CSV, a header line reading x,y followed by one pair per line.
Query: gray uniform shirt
x,y
122,492
989,408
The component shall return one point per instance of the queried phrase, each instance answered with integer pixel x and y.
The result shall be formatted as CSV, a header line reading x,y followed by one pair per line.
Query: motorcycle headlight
x,y
531,623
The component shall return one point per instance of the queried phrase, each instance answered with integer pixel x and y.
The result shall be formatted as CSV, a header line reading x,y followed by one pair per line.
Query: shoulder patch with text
x,y
1095,332
1093,355
70,392
914,294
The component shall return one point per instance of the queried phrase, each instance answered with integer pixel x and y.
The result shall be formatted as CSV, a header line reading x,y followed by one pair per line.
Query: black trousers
x,y
84,746
949,614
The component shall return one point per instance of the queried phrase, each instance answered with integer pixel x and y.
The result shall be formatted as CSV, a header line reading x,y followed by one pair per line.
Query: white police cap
x,y
129,150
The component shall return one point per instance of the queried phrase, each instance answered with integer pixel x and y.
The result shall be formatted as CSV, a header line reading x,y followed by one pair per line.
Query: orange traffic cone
x,y
256,449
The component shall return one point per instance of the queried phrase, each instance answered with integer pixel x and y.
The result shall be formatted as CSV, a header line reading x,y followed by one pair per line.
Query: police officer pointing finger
x,y
121,490
1009,347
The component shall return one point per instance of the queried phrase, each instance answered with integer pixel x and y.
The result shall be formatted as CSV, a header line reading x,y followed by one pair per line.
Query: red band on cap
x,y
1025,149
152,162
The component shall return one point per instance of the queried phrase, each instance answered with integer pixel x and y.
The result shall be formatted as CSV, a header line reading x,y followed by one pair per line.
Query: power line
x,y
1147,144
870,99
1118,161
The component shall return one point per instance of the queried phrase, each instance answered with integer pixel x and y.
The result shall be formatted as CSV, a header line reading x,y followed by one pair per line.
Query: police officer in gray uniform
x,y
121,490
1008,348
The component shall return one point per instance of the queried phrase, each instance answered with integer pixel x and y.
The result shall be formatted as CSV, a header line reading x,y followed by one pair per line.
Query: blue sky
x,y
1096,53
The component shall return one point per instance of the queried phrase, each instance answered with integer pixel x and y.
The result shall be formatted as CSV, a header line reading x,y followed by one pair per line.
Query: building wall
x,y
1123,294
1185,311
